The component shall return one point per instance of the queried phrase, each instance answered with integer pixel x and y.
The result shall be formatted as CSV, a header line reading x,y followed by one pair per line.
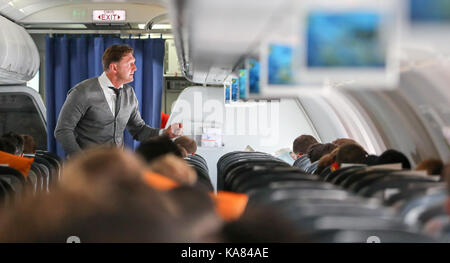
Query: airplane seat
x,y
7,193
14,180
203,179
234,159
257,179
48,170
393,183
347,180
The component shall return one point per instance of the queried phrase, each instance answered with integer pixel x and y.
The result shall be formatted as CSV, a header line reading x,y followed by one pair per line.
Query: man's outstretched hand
x,y
174,130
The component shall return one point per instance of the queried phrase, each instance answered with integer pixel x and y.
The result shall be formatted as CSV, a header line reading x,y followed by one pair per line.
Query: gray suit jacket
x,y
86,119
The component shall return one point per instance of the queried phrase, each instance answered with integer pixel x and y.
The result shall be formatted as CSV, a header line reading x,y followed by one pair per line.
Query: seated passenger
x,y
164,157
431,166
125,211
174,168
393,156
187,143
342,141
326,161
9,158
371,159
100,166
183,151
316,151
352,154
302,143
195,210
29,146
16,140
7,147
157,146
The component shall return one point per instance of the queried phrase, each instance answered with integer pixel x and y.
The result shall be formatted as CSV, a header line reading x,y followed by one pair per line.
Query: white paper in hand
x,y
176,129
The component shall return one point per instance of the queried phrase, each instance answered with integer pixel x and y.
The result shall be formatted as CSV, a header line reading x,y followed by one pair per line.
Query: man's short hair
x,y
316,151
187,143
351,153
343,141
156,147
302,143
393,156
114,54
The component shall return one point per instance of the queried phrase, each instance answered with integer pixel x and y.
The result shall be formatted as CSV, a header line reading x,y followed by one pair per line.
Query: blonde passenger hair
x,y
101,166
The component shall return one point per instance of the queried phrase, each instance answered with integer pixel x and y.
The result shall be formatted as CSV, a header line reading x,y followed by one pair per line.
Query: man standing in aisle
x,y
98,110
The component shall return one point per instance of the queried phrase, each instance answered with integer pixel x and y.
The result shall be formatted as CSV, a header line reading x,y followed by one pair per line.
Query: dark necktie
x,y
117,91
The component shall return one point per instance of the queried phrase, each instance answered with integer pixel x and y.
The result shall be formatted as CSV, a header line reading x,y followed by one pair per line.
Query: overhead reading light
x,y
141,26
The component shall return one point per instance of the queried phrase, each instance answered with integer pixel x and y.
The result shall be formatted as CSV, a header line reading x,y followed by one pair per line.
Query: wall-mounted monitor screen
x,y
227,90
343,40
253,75
429,11
235,89
243,84
280,65
348,44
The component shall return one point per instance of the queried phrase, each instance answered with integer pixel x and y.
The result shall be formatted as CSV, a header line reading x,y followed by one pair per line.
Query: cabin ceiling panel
x,y
21,10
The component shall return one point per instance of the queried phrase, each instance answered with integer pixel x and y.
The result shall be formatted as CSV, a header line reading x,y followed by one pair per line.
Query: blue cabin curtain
x,y
72,59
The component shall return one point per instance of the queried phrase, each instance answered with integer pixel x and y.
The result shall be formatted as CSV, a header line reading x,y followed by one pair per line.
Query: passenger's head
x,y
351,153
183,151
316,151
195,210
174,168
371,160
129,213
29,146
102,166
302,143
156,147
343,141
187,143
16,140
7,146
393,156
431,166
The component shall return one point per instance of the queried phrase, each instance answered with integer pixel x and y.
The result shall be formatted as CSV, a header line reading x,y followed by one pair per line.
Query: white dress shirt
x,y
110,95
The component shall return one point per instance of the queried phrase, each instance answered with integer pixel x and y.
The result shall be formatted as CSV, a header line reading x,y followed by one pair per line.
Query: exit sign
x,y
108,15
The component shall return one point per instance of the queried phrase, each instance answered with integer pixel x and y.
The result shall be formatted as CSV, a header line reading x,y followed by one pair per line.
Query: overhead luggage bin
x,y
212,36
19,57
